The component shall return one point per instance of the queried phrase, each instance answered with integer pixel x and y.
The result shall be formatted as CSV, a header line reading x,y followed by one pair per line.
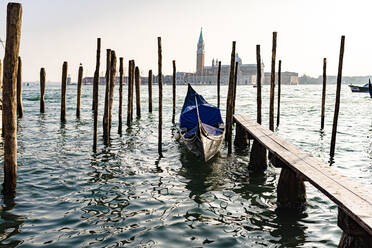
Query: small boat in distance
x,y
370,88
201,127
355,88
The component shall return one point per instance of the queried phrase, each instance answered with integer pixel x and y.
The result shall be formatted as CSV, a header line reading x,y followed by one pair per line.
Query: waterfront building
x,y
247,73
287,77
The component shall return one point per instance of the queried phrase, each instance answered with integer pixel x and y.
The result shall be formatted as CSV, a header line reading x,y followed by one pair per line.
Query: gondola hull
x,y
203,145
201,126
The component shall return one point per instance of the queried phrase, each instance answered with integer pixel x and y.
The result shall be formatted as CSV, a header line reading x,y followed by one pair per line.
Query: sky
x,y
54,31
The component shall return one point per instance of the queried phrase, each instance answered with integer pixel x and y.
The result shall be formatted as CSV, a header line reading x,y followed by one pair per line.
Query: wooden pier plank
x,y
352,197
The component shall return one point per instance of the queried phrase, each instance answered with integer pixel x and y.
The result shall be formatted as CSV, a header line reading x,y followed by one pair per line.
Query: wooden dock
x,y
353,200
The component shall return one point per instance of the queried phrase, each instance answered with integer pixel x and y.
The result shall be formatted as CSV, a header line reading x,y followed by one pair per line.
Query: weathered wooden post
x,y
235,85
323,93
138,92
13,35
218,84
160,82
107,98
63,94
111,92
129,84
259,77
353,236
96,76
121,71
19,89
42,90
291,191
241,137
279,92
174,92
229,102
338,92
79,86
130,95
132,79
2,106
258,155
272,84
1,76
95,95
150,90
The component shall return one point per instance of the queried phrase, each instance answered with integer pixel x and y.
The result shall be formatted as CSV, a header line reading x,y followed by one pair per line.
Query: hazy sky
x,y
54,31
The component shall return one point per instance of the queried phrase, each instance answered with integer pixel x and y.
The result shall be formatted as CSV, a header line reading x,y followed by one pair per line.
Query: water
x,y
124,195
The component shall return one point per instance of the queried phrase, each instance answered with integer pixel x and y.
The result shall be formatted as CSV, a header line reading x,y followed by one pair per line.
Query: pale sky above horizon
x,y
57,31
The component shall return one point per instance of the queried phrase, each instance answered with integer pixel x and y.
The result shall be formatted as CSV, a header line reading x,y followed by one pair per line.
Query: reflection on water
x,y
126,195
10,224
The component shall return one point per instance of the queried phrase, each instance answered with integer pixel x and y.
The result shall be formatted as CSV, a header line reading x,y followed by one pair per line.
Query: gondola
x,y
201,127
370,89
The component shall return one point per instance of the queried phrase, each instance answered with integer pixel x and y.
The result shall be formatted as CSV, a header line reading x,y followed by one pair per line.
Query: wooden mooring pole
x,y
19,89
235,84
138,92
259,76
79,86
132,81
1,76
338,93
13,36
218,84
279,92
174,92
130,96
258,155
96,77
105,122
95,95
63,92
272,84
121,72
42,90
111,92
229,102
323,93
150,90
2,105
160,82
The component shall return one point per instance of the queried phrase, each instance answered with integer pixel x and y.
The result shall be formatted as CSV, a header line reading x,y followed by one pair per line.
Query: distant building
x,y
287,77
102,80
247,73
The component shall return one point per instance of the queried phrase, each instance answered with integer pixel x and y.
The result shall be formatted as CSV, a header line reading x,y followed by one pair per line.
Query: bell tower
x,y
200,55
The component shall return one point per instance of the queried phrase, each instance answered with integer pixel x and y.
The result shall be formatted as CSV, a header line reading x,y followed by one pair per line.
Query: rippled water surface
x,y
124,195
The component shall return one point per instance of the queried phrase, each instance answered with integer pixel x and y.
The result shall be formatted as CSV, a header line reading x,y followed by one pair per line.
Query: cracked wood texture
x,y
13,37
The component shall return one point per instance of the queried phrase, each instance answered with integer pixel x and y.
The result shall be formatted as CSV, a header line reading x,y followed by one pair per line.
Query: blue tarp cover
x,y
214,131
208,113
